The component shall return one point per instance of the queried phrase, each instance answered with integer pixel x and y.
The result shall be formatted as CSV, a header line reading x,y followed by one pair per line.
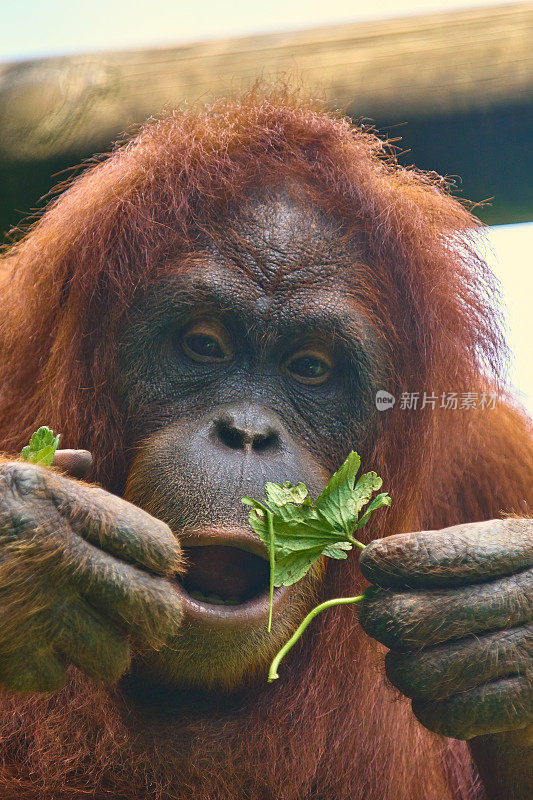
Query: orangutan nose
x,y
249,428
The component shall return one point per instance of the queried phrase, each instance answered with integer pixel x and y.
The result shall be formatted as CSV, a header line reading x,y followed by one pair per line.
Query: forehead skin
x,y
281,238
278,260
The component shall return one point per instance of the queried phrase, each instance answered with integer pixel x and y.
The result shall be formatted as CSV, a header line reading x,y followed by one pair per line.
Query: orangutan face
x,y
246,362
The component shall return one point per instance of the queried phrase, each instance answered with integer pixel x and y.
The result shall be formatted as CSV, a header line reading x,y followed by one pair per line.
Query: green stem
x,y
270,521
336,601
356,542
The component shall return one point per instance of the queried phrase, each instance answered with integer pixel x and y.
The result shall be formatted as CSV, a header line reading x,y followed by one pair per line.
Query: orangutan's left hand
x,y
456,611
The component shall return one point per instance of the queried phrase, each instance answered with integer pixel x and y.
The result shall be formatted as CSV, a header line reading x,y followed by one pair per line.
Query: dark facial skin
x,y
252,362
266,392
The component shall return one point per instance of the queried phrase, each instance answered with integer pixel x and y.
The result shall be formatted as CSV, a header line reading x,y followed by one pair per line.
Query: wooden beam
x,y
392,69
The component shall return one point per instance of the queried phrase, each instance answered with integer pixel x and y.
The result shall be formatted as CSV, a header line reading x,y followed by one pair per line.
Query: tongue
x,y
225,571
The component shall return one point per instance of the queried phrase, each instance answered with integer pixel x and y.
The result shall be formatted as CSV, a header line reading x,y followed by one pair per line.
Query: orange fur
x,y
332,728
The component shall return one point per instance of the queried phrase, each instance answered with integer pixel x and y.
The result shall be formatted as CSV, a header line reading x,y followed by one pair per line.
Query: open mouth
x,y
227,579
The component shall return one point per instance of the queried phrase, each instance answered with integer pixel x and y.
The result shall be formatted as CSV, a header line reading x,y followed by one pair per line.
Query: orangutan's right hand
x,y
82,574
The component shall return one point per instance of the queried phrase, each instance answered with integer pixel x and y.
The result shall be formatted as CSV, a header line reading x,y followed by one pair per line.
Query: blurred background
x,y
453,79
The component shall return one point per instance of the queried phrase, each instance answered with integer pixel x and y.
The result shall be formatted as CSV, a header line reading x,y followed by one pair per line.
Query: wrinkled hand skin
x,y
455,608
83,577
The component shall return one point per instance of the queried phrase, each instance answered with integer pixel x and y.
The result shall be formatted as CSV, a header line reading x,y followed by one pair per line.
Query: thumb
x,y
76,463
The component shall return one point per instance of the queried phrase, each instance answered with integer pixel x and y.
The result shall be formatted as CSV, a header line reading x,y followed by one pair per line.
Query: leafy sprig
x,y
42,447
297,531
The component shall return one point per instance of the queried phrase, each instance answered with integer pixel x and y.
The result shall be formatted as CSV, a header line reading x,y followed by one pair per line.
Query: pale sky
x,y
511,258
31,28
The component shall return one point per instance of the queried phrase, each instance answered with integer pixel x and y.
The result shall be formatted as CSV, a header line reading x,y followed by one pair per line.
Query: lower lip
x,y
252,613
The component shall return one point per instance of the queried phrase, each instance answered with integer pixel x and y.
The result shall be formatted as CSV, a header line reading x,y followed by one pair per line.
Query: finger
x,y
91,645
446,669
503,705
461,554
409,620
116,526
75,463
32,668
58,559
142,604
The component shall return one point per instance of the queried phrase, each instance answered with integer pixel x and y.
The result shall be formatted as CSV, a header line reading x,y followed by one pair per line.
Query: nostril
x,y
230,436
237,438
265,441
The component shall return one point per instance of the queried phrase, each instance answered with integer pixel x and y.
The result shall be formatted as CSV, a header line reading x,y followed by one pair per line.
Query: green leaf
x,y
296,531
44,456
342,499
42,447
378,501
271,557
336,503
292,567
289,502
279,495
337,550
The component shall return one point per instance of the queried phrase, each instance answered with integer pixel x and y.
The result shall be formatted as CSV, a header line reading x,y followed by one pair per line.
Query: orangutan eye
x,y
207,343
309,368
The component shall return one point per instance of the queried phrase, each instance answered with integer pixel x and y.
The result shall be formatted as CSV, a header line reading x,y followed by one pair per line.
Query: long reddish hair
x,y
66,286
332,727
